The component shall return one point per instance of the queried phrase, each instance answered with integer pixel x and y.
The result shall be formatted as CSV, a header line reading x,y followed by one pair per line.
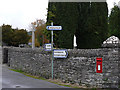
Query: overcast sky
x,y
20,13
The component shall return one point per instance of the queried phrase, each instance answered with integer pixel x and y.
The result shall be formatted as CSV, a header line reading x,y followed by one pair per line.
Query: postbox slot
x,y
98,67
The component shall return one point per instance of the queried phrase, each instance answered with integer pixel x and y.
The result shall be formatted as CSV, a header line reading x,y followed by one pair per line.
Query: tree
x,y
14,37
51,17
92,29
40,37
88,21
114,21
65,15
99,23
20,37
82,33
7,34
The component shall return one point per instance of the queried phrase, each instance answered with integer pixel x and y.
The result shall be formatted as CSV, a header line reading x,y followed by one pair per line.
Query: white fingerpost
x,y
33,37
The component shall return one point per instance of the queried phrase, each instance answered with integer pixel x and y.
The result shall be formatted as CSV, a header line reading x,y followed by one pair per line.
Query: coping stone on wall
x,y
111,42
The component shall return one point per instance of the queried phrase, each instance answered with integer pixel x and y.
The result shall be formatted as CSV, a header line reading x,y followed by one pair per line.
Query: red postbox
x,y
98,65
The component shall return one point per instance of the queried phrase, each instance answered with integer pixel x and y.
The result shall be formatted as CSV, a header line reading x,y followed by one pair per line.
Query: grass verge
x,y
26,74
55,81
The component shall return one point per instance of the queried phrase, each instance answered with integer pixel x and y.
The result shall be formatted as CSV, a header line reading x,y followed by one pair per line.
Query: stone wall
x,y
79,67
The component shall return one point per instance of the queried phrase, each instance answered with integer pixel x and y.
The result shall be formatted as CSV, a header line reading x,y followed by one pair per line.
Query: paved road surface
x,y
11,79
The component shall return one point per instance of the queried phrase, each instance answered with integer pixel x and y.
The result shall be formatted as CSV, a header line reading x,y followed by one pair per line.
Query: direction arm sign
x,y
48,47
54,27
60,53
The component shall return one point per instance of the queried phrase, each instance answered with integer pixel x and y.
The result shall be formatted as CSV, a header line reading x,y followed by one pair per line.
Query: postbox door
x,y
98,65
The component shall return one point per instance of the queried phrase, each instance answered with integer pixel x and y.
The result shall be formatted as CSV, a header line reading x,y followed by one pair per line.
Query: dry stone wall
x,y
79,67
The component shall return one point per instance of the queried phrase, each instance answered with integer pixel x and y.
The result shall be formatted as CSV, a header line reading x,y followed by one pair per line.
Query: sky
x,y
20,13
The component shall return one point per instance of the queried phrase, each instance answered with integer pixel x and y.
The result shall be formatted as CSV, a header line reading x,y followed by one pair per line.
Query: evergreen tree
x,y
114,22
66,15
88,21
82,34
99,23
51,17
92,30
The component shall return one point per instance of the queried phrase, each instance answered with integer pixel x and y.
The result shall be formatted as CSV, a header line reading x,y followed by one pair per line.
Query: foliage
x,y
82,32
68,16
92,29
65,15
40,37
51,17
14,37
20,37
114,21
88,21
7,34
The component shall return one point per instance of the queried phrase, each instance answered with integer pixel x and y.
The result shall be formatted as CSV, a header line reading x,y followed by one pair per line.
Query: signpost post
x,y
52,48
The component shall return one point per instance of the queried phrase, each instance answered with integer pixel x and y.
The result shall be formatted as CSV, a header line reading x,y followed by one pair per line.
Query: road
x,y
16,81
11,79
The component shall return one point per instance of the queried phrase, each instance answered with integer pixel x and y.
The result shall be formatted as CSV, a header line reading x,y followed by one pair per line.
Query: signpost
x,y
60,53
53,28
48,47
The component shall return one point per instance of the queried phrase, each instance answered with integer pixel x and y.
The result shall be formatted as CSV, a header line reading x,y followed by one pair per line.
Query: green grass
x,y
119,87
41,78
36,77
59,83
20,71
93,89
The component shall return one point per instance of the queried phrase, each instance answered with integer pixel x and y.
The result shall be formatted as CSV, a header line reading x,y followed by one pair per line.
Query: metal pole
x,y
52,48
33,38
